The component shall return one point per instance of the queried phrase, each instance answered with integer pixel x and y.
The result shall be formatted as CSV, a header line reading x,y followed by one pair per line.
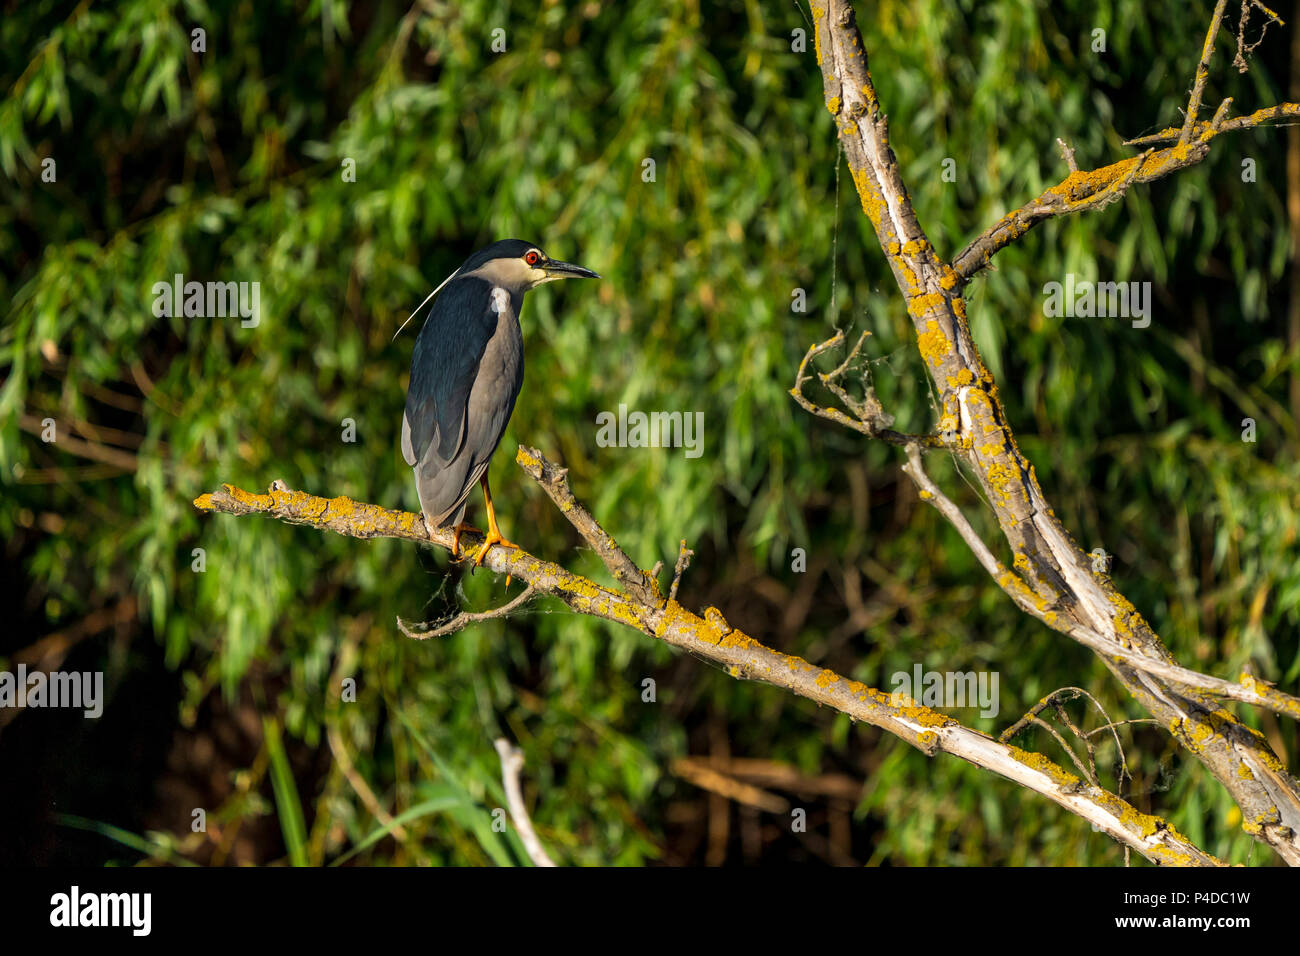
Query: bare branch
x,y
711,638
1054,580
1082,191
706,778
1250,690
869,417
554,482
1055,700
92,450
1256,119
512,761
1067,153
1090,772
684,556
1202,72
421,632
1244,49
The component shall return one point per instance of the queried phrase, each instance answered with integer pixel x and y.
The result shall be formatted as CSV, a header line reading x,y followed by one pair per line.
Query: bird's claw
x,y
456,532
487,543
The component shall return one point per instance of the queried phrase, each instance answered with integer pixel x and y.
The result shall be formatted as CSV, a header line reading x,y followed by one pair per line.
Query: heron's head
x,y
519,266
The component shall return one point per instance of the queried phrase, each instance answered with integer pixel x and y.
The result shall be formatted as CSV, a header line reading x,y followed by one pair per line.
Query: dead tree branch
x,y
512,762
555,482
1092,189
1250,691
711,638
422,632
1052,577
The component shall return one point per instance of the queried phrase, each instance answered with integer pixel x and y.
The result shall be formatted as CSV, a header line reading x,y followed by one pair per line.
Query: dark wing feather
x,y
444,365
444,486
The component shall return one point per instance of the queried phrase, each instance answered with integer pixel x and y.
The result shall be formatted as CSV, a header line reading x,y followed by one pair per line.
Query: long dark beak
x,y
567,270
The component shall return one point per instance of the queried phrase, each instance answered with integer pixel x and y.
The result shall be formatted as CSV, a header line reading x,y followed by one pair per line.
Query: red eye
x,y
533,257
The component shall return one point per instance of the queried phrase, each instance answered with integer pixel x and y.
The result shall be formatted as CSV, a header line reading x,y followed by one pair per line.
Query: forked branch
x,y
1050,577
711,638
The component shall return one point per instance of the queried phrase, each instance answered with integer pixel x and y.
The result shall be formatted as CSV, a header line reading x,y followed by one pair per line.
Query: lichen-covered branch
x,y
1049,573
1250,690
1202,72
1093,189
711,638
867,417
555,482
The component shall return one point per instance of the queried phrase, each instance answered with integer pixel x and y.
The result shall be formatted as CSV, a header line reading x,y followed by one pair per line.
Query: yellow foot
x,y
456,532
492,538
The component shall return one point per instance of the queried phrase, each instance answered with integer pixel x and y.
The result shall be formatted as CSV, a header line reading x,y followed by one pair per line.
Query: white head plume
x,y
423,304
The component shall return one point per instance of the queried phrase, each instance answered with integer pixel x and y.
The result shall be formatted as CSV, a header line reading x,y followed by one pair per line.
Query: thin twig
x,y
707,778
94,451
1244,49
1067,153
1121,723
334,736
1055,700
869,417
1088,773
1202,72
512,762
421,632
683,562
1064,717
555,482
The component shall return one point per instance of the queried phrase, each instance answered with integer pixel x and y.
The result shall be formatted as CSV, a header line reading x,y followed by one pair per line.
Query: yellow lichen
x,y
933,345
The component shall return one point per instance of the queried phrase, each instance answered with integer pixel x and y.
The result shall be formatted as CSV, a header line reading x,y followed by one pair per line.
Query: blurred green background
x,y
228,164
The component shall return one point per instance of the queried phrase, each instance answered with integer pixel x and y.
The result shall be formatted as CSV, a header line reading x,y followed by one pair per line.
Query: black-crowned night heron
x,y
466,371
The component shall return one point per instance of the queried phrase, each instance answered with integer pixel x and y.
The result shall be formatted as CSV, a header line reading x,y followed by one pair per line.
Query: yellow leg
x,y
494,535
456,532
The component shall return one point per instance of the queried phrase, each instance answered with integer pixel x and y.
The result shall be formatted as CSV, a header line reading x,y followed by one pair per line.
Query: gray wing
x,y
464,382
444,365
